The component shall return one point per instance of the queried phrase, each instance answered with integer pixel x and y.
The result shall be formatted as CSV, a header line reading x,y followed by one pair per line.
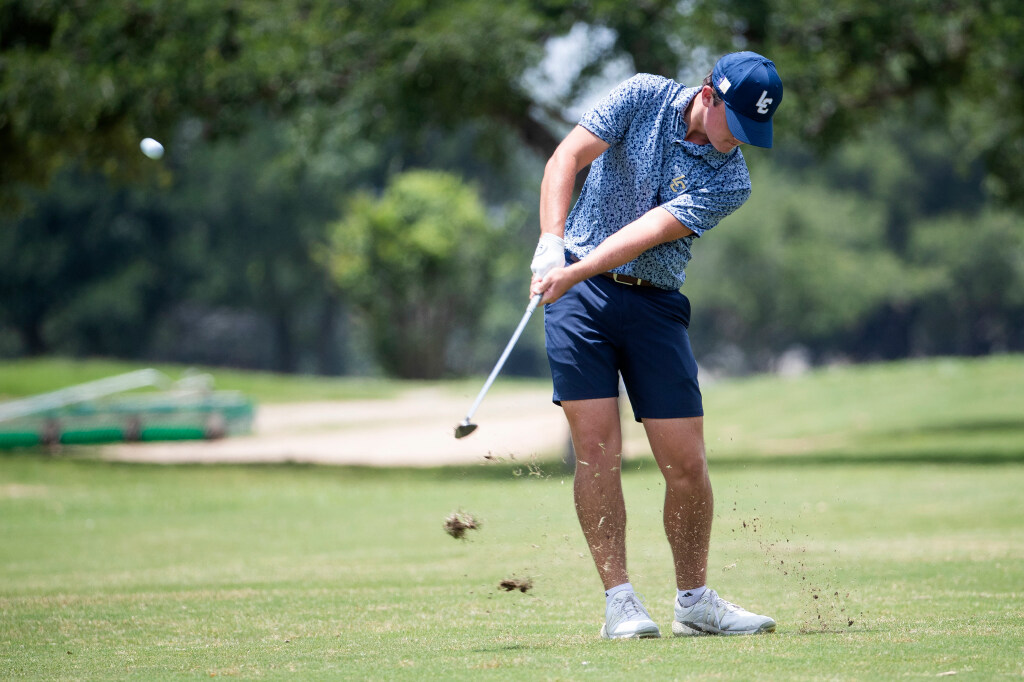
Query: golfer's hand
x,y
553,285
550,254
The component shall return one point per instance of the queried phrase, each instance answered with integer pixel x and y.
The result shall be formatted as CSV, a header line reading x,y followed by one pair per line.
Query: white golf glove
x,y
550,254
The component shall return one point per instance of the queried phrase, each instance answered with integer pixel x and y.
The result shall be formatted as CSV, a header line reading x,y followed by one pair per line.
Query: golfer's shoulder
x,y
637,104
652,82
626,107
646,87
733,175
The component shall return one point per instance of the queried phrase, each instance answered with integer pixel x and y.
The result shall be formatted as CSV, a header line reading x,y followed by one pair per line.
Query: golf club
x,y
467,427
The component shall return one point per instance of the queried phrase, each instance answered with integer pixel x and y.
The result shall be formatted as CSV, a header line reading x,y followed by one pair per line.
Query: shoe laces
x,y
631,606
720,607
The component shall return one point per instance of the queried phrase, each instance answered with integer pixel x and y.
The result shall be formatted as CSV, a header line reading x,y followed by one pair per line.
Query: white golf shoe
x,y
712,615
626,618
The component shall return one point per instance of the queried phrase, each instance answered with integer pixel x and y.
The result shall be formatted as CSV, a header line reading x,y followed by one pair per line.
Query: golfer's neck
x,y
694,118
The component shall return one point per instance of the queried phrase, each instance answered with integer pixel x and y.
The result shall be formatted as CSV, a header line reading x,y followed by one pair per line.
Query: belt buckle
x,y
615,278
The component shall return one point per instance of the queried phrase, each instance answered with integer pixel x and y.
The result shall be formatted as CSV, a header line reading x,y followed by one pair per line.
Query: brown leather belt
x,y
628,280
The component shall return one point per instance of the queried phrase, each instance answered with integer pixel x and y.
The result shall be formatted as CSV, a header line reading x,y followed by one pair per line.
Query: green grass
x,y
25,377
112,571
946,409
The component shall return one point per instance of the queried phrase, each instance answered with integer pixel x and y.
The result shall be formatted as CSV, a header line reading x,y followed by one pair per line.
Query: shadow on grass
x,y
509,647
555,469
551,468
1000,427
874,458
810,632
669,639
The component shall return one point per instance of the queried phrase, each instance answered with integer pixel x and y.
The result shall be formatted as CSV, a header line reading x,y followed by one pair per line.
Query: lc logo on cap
x,y
752,90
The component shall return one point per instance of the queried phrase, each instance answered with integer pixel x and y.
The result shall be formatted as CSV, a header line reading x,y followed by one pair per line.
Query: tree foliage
x,y
275,114
416,261
87,80
849,64
792,265
974,302
83,276
859,259
91,78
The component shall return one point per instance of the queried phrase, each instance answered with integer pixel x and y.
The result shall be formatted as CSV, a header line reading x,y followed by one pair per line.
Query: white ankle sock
x,y
690,597
624,587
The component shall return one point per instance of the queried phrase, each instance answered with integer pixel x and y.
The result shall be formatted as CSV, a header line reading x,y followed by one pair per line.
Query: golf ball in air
x,y
151,148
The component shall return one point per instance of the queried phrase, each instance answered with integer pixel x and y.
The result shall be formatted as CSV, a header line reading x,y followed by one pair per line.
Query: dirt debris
x,y
521,584
458,522
827,608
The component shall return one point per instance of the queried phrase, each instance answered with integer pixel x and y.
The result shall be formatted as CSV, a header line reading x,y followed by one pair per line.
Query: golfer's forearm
x,y
653,228
556,193
579,148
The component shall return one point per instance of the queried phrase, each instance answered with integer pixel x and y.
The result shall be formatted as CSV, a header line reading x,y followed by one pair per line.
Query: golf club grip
x,y
504,355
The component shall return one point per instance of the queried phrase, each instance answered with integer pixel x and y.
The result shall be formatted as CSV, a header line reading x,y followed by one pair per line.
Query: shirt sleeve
x,y
611,117
702,210
704,207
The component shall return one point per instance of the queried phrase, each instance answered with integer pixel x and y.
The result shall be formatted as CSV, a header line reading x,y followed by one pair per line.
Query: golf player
x,y
666,169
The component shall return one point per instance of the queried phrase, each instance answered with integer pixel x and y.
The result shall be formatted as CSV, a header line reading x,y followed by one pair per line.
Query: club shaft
x,y
504,355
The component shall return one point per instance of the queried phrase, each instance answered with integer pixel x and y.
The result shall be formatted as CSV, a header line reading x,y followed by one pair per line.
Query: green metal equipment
x,y
117,409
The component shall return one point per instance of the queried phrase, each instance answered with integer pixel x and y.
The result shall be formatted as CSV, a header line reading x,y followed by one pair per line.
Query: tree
x,y
975,267
93,266
357,90
884,251
85,81
800,263
848,64
89,267
88,79
253,209
416,262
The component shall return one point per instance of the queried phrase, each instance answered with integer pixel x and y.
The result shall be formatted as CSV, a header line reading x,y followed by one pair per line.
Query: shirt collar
x,y
711,156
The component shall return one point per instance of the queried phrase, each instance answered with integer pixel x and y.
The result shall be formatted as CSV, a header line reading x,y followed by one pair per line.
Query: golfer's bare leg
x,y
597,439
678,446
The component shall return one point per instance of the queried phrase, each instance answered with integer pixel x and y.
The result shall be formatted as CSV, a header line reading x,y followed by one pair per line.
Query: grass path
x,y
114,571
889,546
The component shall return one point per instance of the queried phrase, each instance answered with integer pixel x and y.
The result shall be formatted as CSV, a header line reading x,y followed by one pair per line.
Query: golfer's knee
x,y
598,454
686,469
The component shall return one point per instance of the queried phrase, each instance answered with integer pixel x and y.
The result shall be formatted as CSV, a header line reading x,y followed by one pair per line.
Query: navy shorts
x,y
600,329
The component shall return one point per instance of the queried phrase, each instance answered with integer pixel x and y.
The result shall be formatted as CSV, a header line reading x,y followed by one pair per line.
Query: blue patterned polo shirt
x,y
647,165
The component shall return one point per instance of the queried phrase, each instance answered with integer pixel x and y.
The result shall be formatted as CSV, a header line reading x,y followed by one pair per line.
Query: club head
x,y
464,429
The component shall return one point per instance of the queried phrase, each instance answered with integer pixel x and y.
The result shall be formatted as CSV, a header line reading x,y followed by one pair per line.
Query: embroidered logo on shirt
x,y
678,185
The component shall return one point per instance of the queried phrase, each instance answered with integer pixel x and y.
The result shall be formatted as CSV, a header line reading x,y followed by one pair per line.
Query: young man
x,y
666,169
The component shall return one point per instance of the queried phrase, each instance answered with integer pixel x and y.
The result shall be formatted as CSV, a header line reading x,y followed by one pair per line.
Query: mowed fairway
x,y
901,558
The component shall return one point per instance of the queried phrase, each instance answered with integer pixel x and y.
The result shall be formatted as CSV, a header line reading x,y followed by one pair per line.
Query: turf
x,y
945,409
114,571
27,377
880,559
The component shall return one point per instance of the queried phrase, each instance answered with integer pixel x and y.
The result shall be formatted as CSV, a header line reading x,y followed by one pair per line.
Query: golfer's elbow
x,y
562,167
556,191
662,226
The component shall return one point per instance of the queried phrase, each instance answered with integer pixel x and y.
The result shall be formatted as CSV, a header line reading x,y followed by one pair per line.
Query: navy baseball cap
x,y
752,91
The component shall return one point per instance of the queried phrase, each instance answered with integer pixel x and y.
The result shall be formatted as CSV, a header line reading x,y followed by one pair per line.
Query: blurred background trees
x,y
416,262
290,226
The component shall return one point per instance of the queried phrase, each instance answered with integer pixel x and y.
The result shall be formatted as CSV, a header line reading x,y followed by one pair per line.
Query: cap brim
x,y
757,133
